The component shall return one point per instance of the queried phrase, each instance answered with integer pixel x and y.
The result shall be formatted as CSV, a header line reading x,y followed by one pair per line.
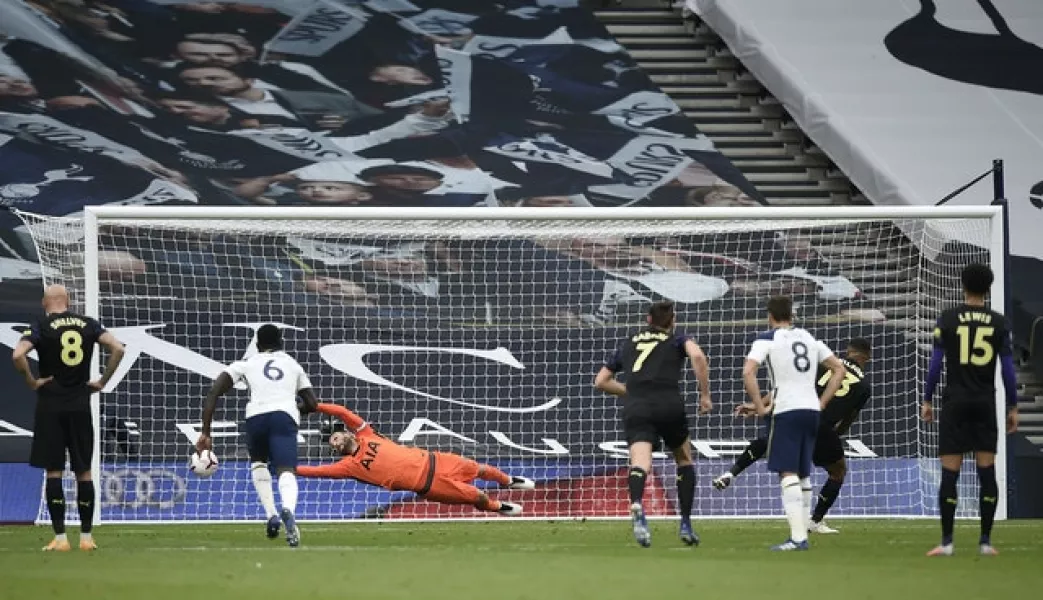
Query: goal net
x,y
479,332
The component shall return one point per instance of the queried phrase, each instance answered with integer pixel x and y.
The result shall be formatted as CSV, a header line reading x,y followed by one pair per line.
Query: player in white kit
x,y
275,380
792,355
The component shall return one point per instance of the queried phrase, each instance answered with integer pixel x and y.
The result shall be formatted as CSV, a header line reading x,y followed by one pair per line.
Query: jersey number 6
x,y
271,371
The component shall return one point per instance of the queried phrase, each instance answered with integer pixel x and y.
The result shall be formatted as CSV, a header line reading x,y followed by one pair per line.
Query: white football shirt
x,y
793,356
274,378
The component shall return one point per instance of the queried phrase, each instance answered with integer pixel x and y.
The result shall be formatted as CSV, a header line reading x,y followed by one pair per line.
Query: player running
x,y
834,422
64,343
435,476
791,353
968,338
275,380
652,363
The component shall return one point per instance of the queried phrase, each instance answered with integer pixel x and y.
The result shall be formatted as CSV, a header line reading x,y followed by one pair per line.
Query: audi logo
x,y
134,488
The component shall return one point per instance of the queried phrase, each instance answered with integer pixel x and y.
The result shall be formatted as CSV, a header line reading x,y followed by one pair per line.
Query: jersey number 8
x,y
72,348
801,360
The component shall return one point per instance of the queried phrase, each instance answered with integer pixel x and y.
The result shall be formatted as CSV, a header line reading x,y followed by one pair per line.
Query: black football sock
x,y
56,504
636,483
753,452
987,501
686,490
85,502
947,503
826,497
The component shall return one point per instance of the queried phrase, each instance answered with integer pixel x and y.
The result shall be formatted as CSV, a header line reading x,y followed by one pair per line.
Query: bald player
x,y
64,343
440,477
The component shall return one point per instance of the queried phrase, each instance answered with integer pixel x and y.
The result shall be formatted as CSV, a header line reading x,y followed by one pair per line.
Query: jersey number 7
x,y
645,348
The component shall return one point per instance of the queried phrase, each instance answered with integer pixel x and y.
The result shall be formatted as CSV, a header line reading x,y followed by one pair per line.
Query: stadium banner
x,y
336,102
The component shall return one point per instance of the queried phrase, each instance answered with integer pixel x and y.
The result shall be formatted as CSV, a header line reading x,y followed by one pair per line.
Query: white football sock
x,y
263,484
793,504
805,492
288,491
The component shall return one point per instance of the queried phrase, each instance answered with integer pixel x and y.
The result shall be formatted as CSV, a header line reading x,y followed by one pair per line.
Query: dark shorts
x,y
791,443
272,438
651,421
967,425
56,432
829,448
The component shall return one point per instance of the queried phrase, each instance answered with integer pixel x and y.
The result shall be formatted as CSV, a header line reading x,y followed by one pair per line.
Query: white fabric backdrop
x,y
902,134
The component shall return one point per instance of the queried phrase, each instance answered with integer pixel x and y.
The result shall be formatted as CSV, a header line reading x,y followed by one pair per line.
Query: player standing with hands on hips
x,y
968,338
792,355
274,379
64,343
652,362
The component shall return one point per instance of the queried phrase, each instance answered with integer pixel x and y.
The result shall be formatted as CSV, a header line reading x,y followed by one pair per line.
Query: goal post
x,y
479,331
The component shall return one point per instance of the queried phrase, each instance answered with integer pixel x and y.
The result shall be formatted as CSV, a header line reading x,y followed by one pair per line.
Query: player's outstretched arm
x,y
333,471
21,364
701,367
222,384
116,351
835,379
351,420
606,382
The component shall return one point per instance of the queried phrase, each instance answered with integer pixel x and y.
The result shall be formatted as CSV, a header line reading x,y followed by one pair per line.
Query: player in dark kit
x,y
836,419
652,365
64,343
968,339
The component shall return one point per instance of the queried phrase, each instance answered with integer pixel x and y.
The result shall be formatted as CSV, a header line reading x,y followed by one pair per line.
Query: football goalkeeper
x,y
435,476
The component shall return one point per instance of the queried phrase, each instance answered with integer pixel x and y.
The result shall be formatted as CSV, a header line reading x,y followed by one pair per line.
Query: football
x,y
203,464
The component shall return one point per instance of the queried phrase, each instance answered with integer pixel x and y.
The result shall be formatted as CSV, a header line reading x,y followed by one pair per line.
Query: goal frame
x,y
96,216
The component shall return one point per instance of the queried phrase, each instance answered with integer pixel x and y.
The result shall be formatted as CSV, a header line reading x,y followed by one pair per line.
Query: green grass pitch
x,y
521,560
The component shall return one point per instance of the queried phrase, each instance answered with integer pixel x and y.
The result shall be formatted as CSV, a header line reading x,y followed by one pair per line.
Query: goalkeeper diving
x,y
435,476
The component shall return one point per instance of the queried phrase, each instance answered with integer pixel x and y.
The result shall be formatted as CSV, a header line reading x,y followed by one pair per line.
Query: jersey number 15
x,y
980,352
